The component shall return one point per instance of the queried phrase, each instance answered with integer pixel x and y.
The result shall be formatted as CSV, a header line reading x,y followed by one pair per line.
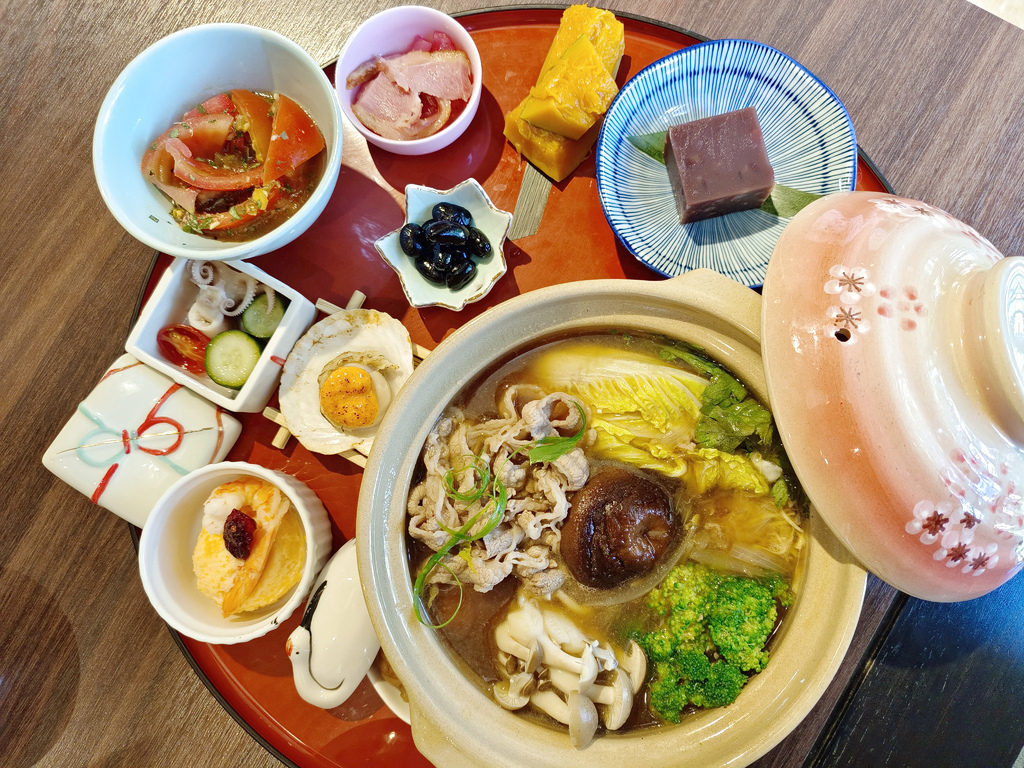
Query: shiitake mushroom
x,y
619,527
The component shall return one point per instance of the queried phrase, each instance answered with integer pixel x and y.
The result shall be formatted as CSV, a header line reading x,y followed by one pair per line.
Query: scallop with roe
x,y
341,377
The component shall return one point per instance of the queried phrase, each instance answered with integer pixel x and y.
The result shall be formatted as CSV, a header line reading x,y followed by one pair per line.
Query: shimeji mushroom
x,y
542,645
514,693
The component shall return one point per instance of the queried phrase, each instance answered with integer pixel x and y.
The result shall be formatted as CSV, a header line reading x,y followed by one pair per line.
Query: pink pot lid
x,y
893,342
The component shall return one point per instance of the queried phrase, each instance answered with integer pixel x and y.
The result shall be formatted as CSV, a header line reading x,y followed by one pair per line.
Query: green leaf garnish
x,y
783,201
786,202
651,144
553,448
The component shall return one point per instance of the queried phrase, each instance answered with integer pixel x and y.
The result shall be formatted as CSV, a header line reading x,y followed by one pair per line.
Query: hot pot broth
x,y
642,397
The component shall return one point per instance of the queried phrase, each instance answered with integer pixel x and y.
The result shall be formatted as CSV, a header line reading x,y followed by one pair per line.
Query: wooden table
x,y
90,676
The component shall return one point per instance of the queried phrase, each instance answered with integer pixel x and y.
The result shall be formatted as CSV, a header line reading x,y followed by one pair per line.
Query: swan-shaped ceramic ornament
x,y
334,644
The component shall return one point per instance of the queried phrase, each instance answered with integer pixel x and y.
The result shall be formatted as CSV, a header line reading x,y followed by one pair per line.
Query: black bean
x,y
452,212
446,232
425,266
445,256
477,243
461,274
410,238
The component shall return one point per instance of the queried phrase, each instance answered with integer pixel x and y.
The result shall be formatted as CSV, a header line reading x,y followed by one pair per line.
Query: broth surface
x,y
703,516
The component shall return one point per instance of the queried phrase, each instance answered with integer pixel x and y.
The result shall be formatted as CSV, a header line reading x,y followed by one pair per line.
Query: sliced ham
x,y
442,74
386,109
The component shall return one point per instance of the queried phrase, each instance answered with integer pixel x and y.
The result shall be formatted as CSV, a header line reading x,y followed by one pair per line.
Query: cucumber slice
x,y
258,322
231,357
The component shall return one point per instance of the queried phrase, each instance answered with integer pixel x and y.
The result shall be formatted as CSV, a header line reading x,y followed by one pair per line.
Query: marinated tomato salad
x,y
237,165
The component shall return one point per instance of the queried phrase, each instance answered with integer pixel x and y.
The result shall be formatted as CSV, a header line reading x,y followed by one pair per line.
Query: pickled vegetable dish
x,y
237,165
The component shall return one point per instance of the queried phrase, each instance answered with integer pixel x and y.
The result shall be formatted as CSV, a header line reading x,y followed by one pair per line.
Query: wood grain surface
x,y
89,675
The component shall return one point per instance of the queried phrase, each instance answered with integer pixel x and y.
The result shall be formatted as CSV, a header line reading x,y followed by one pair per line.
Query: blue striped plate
x,y
807,132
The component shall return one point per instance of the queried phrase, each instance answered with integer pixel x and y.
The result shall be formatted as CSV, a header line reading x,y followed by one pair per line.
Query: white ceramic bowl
x,y
169,537
393,31
492,221
169,305
455,722
156,89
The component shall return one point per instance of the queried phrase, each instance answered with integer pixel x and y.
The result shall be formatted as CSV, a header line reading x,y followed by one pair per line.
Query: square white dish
x,y
169,304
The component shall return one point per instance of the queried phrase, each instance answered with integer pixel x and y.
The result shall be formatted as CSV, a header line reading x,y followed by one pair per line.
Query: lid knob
x,y
994,343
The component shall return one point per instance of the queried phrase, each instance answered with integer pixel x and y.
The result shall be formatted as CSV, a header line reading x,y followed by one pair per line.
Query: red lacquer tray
x,y
336,257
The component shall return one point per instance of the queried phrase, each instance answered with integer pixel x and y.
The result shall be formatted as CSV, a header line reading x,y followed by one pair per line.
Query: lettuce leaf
x,y
729,416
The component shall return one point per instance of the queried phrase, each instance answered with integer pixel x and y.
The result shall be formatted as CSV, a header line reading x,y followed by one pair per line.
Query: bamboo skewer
x,y
272,414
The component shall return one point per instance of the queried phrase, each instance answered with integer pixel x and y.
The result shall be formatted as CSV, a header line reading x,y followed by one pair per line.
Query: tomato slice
x,y
212,106
203,136
199,174
294,140
255,111
184,346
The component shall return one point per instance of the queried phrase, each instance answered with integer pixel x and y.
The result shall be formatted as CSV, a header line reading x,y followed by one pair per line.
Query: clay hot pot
x,y
455,720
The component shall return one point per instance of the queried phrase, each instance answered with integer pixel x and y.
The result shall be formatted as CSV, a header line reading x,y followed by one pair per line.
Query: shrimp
x,y
265,503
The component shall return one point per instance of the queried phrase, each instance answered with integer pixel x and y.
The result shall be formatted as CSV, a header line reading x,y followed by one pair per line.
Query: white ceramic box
x,y
134,436
169,305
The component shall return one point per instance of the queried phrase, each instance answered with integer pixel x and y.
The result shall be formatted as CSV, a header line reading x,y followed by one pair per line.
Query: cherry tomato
x,y
294,140
185,346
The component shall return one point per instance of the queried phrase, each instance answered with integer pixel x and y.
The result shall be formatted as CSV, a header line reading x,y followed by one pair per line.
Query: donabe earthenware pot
x,y
455,719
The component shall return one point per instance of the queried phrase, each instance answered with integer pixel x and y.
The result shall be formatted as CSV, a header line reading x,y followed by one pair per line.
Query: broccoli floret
x,y
692,678
741,620
715,629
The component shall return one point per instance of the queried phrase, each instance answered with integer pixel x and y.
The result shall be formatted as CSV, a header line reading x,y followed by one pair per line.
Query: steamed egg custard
x,y
341,377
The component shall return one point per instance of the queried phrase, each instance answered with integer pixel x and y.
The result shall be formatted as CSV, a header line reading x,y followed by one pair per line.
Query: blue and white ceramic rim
x,y
807,131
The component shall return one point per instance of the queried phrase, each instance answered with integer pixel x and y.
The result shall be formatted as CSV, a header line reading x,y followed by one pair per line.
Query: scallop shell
x,y
352,330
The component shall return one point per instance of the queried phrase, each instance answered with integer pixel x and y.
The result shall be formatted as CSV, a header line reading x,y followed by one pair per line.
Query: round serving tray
x,y
253,681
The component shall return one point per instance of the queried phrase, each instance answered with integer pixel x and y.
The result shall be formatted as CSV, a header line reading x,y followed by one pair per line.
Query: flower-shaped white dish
x,y
169,305
154,91
492,221
394,31
169,538
134,435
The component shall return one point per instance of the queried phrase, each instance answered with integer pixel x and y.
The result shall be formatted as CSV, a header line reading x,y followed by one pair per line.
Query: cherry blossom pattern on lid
x,y
902,304
936,217
850,284
984,508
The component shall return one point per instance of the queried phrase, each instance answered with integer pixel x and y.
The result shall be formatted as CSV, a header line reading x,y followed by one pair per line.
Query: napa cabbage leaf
x,y
652,413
